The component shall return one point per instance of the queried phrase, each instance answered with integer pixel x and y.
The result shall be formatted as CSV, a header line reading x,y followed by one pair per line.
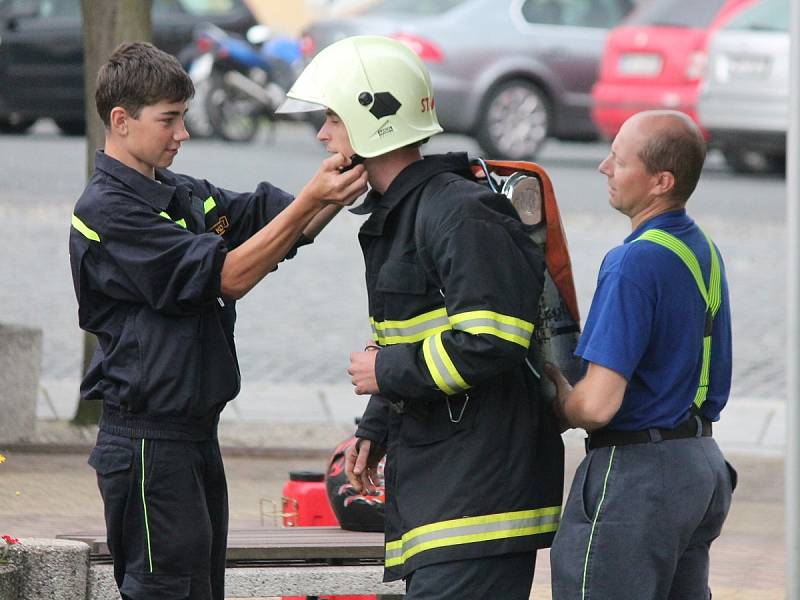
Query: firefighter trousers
x,y
506,576
639,522
166,513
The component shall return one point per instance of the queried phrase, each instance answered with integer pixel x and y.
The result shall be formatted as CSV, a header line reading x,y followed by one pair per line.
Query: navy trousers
x,y
166,513
639,522
506,576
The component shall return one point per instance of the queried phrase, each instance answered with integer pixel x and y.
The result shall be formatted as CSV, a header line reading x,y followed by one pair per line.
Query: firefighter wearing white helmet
x,y
474,461
377,86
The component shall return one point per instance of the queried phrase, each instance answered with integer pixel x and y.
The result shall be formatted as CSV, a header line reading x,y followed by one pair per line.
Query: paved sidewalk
x,y
46,488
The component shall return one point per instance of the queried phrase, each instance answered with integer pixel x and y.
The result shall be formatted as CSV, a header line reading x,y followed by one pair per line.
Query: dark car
x,y
508,72
41,53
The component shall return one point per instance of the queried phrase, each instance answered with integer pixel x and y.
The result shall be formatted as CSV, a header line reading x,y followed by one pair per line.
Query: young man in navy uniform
x,y
158,262
654,489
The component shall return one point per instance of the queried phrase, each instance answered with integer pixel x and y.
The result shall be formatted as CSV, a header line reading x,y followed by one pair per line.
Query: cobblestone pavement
x,y
300,324
44,494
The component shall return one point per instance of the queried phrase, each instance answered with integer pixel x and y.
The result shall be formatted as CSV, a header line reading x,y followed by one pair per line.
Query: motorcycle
x,y
240,83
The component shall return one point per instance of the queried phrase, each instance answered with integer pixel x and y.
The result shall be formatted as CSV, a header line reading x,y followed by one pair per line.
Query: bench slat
x,y
290,543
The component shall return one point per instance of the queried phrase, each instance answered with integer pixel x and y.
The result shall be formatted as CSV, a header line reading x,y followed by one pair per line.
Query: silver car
x,y
744,99
509,73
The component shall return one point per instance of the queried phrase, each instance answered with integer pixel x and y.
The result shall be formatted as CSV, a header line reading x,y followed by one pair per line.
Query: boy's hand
x,y
331,186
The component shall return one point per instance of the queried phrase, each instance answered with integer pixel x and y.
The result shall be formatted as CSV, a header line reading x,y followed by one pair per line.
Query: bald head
x,y
670,141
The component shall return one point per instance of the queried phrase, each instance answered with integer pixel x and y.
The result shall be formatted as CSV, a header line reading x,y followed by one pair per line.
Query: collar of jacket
x,y
156,193
379,206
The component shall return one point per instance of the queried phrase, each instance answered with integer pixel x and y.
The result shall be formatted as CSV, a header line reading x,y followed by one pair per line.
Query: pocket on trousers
x,y
107,459
733,475
147,586
588,489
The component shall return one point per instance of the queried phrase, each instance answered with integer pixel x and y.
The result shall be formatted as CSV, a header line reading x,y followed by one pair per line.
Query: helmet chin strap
x,y
355,159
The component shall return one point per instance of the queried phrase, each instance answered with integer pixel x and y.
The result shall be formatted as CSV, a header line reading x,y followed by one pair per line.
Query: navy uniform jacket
x,y
474,462
146,259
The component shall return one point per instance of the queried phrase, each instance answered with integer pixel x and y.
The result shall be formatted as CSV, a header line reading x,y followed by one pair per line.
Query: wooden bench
x,y
292,561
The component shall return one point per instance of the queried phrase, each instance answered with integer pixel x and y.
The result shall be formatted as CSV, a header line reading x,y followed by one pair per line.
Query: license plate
x,y
749,67
639,64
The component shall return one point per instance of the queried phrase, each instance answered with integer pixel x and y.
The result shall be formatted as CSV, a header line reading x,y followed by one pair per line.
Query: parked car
x,y
41,53
509,73
655,59
744,99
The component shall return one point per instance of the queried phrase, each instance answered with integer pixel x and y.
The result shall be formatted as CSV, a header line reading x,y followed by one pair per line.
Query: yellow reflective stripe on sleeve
x,y
470,530
181,222
81,227
441,367
209,205
411,330
489,322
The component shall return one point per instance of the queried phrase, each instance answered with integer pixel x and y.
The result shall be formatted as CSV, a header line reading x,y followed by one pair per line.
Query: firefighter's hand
x,y
330,186
362,370
361,472
563,390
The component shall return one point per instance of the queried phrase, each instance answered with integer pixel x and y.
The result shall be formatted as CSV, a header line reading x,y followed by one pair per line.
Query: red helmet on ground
x,y
356,512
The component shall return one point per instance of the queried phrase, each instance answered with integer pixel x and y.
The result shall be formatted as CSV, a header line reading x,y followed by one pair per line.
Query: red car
x,y
656,59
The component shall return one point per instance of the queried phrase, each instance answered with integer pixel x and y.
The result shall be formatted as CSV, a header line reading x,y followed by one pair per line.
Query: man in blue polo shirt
x,y
654,489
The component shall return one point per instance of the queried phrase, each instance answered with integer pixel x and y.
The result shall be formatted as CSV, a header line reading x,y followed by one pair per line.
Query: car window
x,y
575,13
200,8
676,13
414,7
768,15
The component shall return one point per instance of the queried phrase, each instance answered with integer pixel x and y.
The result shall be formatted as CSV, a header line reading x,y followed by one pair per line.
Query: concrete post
x,y
20,363
51,569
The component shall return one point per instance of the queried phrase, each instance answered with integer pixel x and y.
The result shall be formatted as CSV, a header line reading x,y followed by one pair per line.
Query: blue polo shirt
x,y
646,322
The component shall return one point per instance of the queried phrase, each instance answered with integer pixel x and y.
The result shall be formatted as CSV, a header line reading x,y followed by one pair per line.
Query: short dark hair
x,y
676,146
137,74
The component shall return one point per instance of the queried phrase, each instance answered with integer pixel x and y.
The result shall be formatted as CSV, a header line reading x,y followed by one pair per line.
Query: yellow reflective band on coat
x,y
181,222
209,205
81,227
411,330
471,530
488,322
441,367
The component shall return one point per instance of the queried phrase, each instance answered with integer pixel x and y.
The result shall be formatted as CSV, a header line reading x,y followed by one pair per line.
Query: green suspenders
x,y
711,294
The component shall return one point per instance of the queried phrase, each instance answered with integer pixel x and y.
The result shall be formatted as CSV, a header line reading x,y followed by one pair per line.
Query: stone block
x,y
51,569
102,585
9,582
260,582
20,365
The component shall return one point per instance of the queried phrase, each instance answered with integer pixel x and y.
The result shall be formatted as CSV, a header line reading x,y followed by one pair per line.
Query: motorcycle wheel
x,y
233,116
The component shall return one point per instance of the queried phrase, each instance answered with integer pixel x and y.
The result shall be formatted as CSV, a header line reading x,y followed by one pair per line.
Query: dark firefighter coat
x,y
474,461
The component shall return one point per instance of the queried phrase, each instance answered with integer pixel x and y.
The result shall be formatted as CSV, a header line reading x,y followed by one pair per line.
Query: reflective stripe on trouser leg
x,y
146,521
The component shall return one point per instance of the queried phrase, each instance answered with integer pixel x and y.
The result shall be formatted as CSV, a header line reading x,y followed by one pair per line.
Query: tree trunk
x,y
106,24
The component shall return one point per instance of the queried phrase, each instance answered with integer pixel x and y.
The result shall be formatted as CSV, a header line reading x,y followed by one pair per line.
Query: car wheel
x,y
743,160
15,125
515,120
72,126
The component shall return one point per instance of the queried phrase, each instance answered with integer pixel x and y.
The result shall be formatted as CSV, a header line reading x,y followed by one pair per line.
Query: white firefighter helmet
x,y
378,87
